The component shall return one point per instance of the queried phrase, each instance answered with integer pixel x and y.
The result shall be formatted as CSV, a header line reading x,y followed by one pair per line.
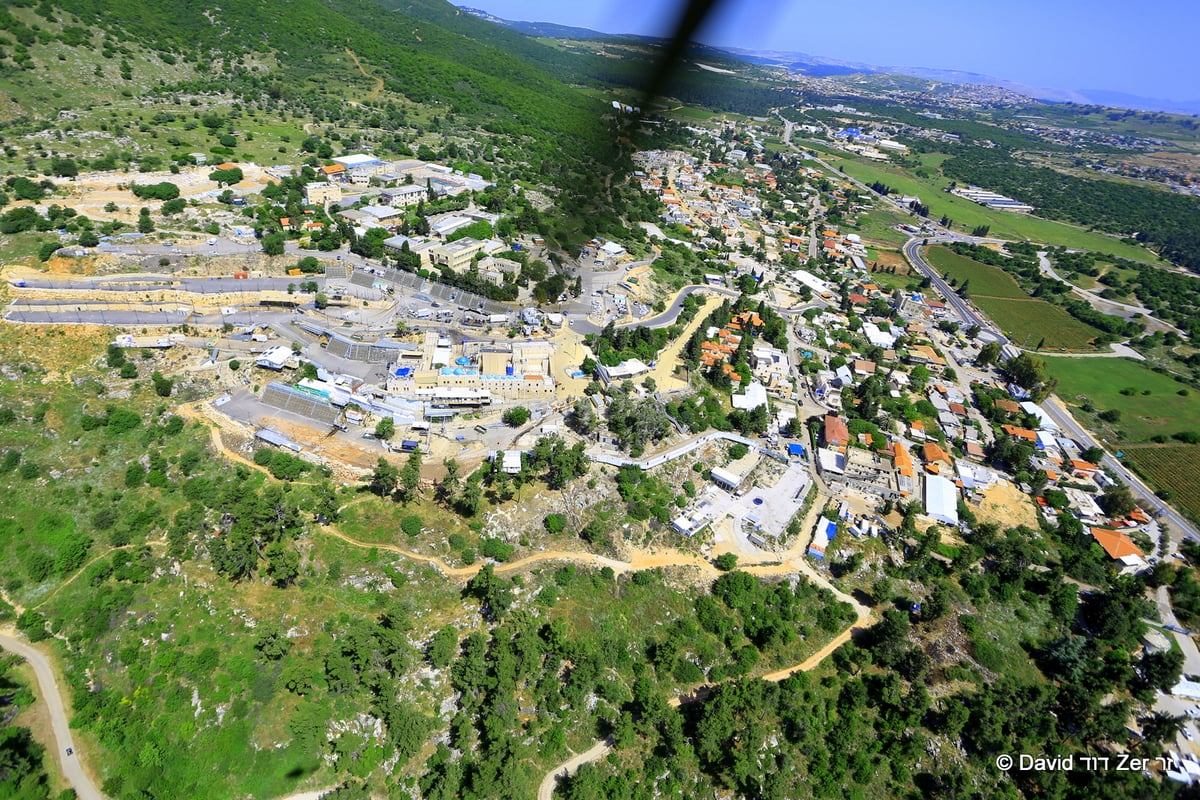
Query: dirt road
x,y
71,766
570,767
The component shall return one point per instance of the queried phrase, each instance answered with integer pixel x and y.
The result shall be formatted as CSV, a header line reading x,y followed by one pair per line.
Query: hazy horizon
x,y
1069,45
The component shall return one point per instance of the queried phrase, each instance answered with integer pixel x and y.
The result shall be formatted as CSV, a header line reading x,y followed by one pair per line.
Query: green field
x,y
967,215
1027,321
986,280
1153,407
1036,323
1171,467
906,283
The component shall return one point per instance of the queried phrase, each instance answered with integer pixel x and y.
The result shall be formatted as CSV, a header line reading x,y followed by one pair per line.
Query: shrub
x,y
411,525
516,417
726,562
496,549
555,523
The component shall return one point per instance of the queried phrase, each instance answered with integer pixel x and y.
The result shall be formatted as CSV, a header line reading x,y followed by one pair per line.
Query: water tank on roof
x,y
462,361
508,370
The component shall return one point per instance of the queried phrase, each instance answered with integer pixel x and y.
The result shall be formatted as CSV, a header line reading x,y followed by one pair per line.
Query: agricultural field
x,y
1035,323
1149,404
986,280
1171,467
1026,320
967,215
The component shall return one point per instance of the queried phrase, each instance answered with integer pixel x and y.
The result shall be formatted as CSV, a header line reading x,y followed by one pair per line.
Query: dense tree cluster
x,y
1168,222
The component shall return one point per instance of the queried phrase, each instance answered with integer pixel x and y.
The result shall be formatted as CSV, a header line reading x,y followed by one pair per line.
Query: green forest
x,y
1170,223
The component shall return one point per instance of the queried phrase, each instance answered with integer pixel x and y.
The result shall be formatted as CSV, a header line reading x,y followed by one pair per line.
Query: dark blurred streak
x,y
693,16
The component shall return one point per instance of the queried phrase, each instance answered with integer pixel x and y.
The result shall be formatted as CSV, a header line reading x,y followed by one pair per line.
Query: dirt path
x,y
202,410
570,767
601,748
371,95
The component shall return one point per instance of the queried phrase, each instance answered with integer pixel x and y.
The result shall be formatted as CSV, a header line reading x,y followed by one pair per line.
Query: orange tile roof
x,y
1083,466
333,169
836,432
1020,433
903,460
1116,544
1007,405
867,367
932,451
917,424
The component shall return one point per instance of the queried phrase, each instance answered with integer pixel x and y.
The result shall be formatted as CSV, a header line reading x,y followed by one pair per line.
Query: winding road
x,y
48,689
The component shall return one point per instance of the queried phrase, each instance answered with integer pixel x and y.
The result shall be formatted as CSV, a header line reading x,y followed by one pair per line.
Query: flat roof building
x,y
941,499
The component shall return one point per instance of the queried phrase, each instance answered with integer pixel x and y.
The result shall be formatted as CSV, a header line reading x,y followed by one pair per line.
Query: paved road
x,y
1165,513
1191,654
960,306
49,692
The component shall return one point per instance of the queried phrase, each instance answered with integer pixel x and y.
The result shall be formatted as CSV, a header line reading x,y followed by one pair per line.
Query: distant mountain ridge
x,y
820,67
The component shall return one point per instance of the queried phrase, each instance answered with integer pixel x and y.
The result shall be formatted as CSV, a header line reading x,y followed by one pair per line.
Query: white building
x,y
626,370
754,396
941,499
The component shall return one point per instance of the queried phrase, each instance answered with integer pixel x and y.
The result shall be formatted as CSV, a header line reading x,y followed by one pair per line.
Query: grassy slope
x,y
967,215
1162,411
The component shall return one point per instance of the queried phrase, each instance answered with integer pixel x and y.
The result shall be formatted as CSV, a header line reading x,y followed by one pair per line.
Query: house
x,y
1007,406
725,478
924,354
905,474
626,370
1020,433
612,250
864,368
754,396
511,463
835,432
933,453
823,534
1120,548
1083,469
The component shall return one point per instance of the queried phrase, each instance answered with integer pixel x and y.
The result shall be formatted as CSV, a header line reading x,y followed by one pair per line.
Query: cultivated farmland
x,y
1171,467
1028,321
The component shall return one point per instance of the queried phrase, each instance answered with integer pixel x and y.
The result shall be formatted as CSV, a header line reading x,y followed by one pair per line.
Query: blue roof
x,y
795,449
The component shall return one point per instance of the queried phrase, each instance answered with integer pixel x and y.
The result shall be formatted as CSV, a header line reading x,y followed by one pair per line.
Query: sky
x,y
1145,49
